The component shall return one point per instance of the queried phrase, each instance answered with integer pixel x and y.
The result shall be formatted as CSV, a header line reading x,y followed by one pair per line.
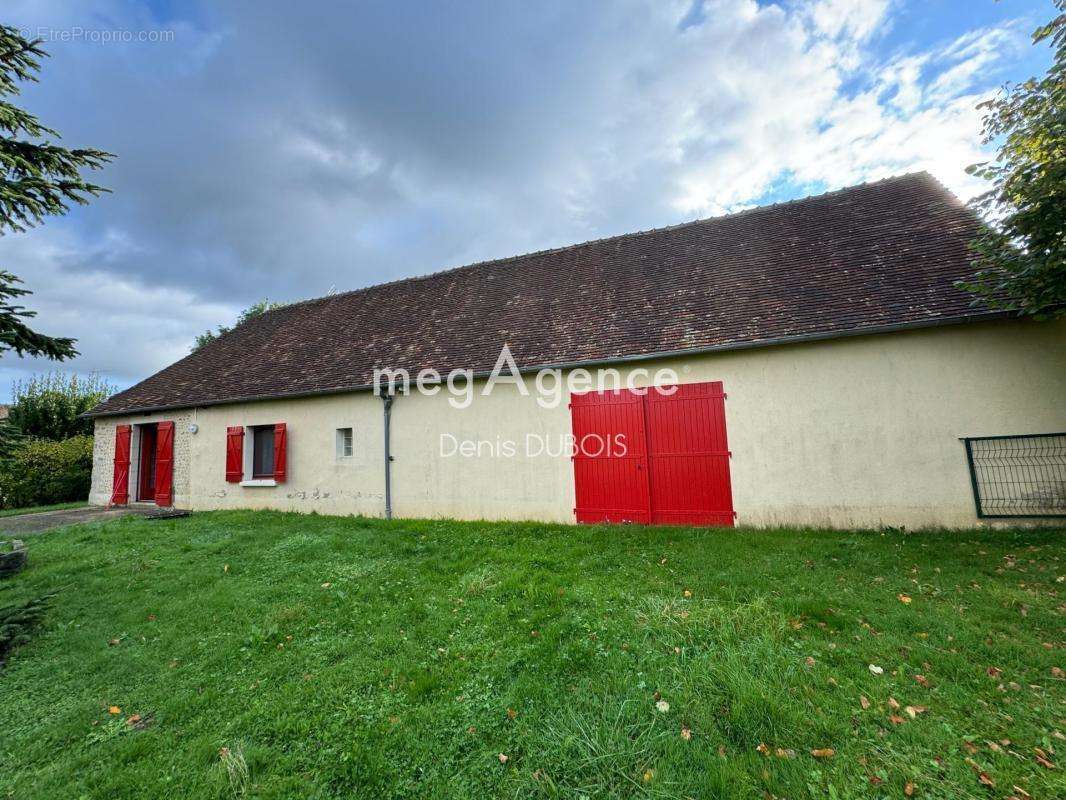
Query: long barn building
x,y
819,367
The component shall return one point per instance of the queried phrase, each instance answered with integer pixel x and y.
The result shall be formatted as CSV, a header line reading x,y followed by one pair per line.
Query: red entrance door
x,y
146,465
677,467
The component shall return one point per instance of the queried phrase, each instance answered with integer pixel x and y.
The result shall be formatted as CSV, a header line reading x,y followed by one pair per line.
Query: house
x,y
819,367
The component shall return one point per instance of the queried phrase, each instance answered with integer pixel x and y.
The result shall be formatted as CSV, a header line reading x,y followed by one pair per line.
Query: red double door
x,y
155,464
652,457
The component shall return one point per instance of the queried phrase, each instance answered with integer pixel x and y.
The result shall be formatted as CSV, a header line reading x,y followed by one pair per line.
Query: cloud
x,y
277,154
854,19
127,328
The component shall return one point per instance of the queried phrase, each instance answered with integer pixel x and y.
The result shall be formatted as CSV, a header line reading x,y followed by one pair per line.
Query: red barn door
x,y
610,460
675,466
688,456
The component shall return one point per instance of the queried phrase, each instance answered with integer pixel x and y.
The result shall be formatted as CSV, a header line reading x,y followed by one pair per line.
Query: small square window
x,y
344,442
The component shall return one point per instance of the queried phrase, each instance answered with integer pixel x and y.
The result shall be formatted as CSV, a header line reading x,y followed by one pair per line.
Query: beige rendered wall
x,y
854,432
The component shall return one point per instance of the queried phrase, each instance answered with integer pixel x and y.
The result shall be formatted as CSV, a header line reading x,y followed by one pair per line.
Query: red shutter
x,y
120,487
279,452
234,454
164,465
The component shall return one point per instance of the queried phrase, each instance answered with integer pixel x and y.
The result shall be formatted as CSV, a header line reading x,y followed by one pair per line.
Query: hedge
x,y
41,472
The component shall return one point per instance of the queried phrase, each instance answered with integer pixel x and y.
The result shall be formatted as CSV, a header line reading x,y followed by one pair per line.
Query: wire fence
x,y
1018,476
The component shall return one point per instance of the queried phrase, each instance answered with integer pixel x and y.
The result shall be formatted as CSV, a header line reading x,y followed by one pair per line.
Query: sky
x,y
282,151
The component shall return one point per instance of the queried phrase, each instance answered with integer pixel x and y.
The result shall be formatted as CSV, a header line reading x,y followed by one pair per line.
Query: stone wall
x,y
104,455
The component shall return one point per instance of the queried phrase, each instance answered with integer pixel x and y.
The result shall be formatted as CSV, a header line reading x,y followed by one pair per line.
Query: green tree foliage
x,y
1022,255
48,406
37,179
18,621
255,310
41,472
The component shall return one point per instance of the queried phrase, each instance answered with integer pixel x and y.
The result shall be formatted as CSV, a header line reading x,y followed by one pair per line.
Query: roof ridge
x,y
618,236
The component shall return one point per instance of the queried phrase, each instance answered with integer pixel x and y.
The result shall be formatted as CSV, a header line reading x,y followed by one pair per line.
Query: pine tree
x,y
37,179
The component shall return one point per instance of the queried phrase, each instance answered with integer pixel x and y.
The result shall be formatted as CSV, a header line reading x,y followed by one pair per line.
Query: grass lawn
x,y
14,512
246,654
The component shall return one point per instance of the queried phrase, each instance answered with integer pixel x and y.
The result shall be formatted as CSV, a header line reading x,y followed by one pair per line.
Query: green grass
x,y
272,655
14,512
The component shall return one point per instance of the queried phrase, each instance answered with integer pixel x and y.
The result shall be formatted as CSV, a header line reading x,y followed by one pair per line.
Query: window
x,y
262,451
344,442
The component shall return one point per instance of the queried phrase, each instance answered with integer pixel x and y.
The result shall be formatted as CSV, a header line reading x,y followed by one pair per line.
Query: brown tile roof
x,y
871,257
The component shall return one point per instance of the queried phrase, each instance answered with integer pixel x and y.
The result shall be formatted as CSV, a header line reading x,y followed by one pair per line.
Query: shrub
x,y
40,472
48,406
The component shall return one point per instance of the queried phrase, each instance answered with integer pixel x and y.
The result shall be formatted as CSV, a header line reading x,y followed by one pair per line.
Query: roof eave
x,y
981,316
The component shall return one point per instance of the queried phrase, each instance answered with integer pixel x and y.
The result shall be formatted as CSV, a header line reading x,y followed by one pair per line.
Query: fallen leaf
x,y
763,748
326,585
994,672
985,779
875,781
905,599
1042,759
922,680
914,711
896,719
114,710
113,642
1057,672
511,713
864,702
824,752
908,789
648,775
809,661
688,593
503,758
225,568
893,703
783,753
969,747
876,670
133,719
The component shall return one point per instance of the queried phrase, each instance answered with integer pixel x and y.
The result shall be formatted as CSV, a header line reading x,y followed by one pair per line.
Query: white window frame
x,y
339,437
247,459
